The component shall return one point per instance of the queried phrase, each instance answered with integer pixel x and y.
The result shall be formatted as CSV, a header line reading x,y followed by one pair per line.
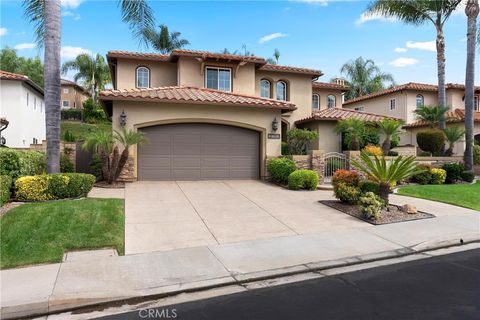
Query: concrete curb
x,y
55,305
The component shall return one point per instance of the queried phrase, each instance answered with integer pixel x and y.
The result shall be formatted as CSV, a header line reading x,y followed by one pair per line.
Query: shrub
x,y
346,193
476,154
303,179
65,164
392,153
5,187
71,114
298,140
438,176
17,163
53,186
285,150
468,176
347,177
373,150
92,112
69,136
371,205
96,167
431,140
369,186
280,169
424,177
394,142
454,172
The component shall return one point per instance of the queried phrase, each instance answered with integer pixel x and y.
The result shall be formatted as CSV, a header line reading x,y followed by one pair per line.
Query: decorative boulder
x,y
409,208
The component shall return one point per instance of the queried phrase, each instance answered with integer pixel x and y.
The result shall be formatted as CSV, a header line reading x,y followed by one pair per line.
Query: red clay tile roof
x,y
183,94
138,55
5,75
457,115
336,114
276,67
327,85
408,86
215,55
65,82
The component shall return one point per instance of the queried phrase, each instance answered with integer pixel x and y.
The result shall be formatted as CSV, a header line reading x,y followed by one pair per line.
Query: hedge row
x,y
5,187
16,163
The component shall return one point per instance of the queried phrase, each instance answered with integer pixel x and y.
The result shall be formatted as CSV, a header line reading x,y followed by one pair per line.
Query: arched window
x,y
281,90
143,77
331,101
420,100
315,102
265,88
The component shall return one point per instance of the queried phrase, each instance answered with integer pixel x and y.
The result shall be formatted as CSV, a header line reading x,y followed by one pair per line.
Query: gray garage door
x,y
197,151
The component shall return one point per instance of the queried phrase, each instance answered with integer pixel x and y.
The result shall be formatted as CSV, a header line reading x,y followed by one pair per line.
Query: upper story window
x,y
143,77
393,104
219,78
331,101
420,100
65,90
281,90
315,102
265,87
65,104
361,108
476,102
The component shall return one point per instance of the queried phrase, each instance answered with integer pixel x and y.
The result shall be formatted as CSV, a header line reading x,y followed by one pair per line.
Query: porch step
x,y
325,187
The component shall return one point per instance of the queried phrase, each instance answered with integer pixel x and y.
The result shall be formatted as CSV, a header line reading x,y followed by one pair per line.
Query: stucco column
x,y
349,156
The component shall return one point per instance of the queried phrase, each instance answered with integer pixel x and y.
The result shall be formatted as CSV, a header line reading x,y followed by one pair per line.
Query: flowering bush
x,y
346,193
438,176
348,177
372,150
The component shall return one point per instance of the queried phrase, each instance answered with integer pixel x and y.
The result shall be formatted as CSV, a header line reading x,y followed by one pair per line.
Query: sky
x,y
319,34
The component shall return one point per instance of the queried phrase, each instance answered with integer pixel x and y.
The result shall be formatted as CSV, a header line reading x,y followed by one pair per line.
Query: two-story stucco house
x,y
72,95
401,102
213,116
21,103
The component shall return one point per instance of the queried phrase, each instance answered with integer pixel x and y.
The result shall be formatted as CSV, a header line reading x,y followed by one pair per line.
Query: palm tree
x,y
453,134
390,128
275,58
126,138
432,115
46,17
92,71
386,173
364,77
418,12
354,128
471,10
102,143
164,41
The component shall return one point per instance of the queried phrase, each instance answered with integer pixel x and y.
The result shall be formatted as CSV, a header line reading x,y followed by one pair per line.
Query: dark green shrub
x,y
476,154
96,167
369,186
65,164
285,150
71,114
303,179
468,176
394,142
370,137
69,137
431,140
9,162
5,188
424,177
92,112
17,163
298,139
280,169
392,153
345,193
454,172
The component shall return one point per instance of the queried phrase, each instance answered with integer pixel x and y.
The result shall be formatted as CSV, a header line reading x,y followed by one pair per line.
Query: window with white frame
x,y
281,90
315,102
331,101
143,77
218,78
420,100
265,88
476,102
393,104
65,104
65,90
361,108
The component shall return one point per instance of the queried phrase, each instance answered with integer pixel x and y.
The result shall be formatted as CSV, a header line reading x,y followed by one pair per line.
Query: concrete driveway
x,y
165,215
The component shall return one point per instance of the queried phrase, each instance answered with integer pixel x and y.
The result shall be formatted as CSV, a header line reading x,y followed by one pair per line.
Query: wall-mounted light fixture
x,y
275,124
123,119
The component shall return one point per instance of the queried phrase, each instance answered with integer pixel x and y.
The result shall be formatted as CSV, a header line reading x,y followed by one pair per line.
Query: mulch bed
x,y
391,214
116,185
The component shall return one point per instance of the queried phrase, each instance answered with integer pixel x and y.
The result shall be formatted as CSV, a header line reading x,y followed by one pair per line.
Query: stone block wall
x,y
128,171
313,161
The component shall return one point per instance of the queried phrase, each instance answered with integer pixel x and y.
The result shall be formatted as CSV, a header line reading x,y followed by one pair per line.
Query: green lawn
x,y
80,130
464,195
40,232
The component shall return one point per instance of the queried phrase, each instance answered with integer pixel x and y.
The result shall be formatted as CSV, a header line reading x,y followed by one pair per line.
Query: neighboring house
x,y
22,105
210,115
73,95
401,102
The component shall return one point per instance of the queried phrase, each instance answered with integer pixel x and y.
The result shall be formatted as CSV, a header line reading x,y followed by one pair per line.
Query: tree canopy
x,y
30,67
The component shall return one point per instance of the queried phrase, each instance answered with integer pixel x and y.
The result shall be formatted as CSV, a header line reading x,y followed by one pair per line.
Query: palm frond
x,y
34,11
139,16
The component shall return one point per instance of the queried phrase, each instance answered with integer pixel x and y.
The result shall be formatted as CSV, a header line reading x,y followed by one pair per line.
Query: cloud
x,y
72,4
425,46
403,62
460,10
72,52
3,31
399,50
366,17
270,37
25,46
69,13
322,3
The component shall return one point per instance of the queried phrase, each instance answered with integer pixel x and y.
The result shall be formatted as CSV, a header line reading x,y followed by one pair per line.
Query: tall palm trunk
x,y
442,95
52,83
386,145
471,10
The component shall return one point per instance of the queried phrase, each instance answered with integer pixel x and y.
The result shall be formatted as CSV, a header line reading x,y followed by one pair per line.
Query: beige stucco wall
x,y
74,96
161,73
324,93
328,140
143,114
191,72
381,105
